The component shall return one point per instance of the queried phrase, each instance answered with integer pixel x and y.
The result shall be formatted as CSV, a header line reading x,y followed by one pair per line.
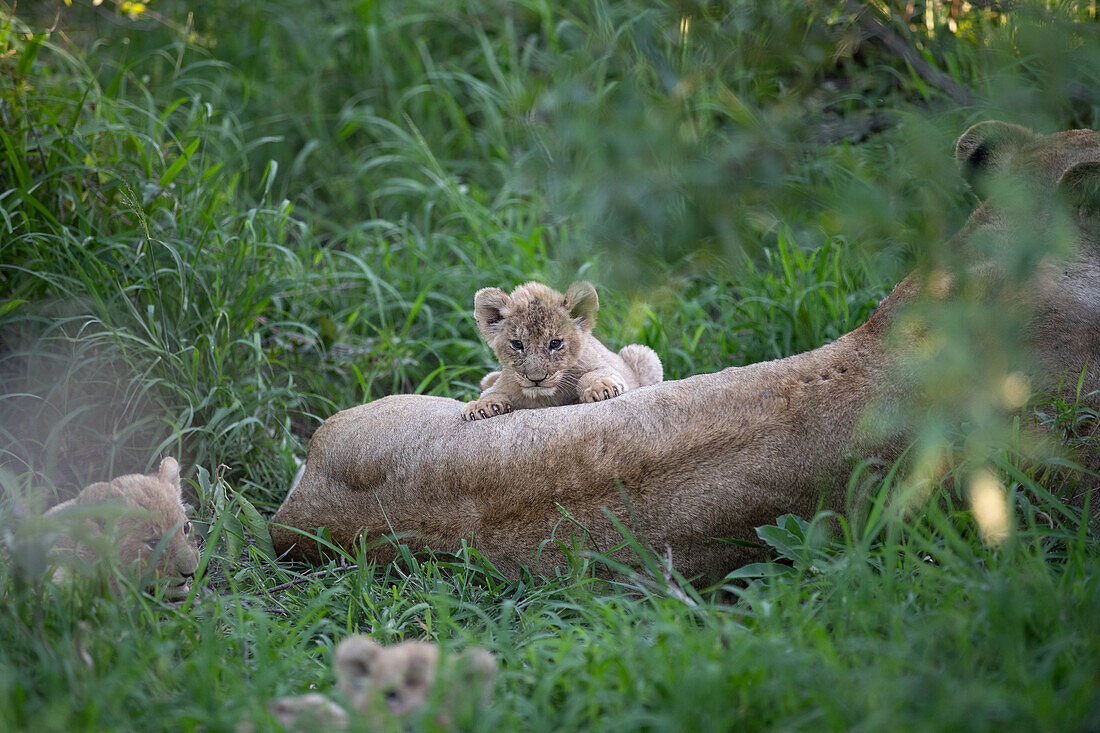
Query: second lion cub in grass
x,y
548,355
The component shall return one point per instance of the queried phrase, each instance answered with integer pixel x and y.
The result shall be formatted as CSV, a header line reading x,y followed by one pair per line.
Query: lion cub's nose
x,y
536,380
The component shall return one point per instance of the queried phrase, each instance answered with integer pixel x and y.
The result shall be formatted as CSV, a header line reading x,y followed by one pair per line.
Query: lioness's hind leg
x,y
644,362
600,385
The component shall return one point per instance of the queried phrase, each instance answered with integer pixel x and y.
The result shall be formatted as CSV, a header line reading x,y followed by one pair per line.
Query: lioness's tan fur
x,y
547,353
152,510
686,463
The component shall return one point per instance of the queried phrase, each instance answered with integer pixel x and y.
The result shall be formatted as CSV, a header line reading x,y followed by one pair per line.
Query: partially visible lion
x,y
149,527
686,464
547,353
399,679
396,682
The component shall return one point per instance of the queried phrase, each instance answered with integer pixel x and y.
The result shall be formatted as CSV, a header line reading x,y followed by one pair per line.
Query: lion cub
x,y
398,680
548,355
393,683
152,534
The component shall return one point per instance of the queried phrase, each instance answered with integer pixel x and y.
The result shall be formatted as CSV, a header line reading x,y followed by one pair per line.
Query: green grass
x,y
209,244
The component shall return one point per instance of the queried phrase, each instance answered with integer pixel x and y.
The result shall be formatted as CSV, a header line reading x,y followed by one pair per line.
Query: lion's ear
x,y
490,308
1080,186
169,473
986,148
419,670
583,304
478,668
355,661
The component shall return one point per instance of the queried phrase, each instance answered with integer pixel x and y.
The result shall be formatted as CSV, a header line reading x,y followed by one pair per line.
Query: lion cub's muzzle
x,y
537,381
176,587
542,387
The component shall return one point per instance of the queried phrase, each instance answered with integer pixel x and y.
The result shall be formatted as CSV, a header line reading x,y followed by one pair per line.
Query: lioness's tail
x,y
645,363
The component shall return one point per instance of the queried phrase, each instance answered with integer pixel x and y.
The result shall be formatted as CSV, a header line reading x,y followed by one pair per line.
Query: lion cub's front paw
x,y
603,387
485,407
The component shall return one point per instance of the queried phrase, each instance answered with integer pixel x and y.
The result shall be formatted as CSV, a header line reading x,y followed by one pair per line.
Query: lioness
x,y
686,463
151,526
547,353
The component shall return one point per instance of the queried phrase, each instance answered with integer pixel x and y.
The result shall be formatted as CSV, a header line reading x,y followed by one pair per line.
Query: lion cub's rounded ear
x,y
419,668
355,660
1080,186
986,148
169,473
478,667
490,308
583,304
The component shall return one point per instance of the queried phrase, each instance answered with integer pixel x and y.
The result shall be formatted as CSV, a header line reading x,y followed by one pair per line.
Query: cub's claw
x,y
603,388
485,408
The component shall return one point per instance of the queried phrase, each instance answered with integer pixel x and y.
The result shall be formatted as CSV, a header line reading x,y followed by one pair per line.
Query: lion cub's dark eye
x,y
151,543
516,344
187,528
555,344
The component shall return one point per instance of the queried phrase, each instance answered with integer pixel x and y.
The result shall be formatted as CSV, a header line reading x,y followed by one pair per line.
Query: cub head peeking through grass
x,y
547,353
384,685
141,517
